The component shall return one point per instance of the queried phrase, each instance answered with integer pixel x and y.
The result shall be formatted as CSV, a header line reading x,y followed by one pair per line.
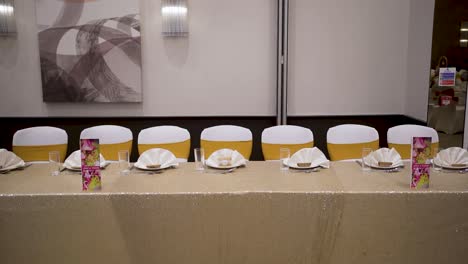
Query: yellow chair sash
x,y
39,153
349,151
243,147
405,149
271,151
180,149
111,151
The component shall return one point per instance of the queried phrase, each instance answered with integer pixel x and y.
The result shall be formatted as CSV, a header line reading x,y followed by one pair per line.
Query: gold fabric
x,y
39,153
271,151
243,147
405,149
111,151
180,149
349,151
256,214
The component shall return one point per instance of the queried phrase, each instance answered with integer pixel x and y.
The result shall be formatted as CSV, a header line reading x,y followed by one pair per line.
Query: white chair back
x,y
403,134
172,138
227,136
112,139
347,141
351,134
108,134
400,137
287,134
40,136
226,133
163,135
35,143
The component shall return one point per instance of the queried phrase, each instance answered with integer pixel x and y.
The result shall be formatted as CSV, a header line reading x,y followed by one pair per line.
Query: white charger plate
x,y
451,167
143,167
384,168
14,167
286,162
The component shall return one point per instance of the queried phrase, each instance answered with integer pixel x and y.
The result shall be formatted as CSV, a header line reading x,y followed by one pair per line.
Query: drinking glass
x,y
54,163
365,153
434,166
199,159
284,157
124,162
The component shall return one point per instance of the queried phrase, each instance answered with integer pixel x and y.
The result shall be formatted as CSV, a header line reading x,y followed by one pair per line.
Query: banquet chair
x,y
400,137
347,141
112,139
35,143
173,138
227,136
294,138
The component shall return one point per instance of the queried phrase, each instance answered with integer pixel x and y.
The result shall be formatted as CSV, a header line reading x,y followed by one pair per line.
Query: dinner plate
x,y
14,167
143,167
286,162
451,167
224,167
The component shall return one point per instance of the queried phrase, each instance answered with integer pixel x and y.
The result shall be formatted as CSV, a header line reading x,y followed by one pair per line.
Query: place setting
x,y
9,161
451,160
383,159
223,161
306,160
73,163
152,161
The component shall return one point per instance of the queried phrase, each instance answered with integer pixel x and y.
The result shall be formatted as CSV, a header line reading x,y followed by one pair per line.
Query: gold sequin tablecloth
x,y
256,214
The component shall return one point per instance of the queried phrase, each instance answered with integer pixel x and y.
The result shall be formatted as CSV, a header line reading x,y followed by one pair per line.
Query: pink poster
x,y
420,162
90,164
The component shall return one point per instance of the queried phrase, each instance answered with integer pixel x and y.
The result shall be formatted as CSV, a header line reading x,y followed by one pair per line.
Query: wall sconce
x,y
464,34
7,18
174,18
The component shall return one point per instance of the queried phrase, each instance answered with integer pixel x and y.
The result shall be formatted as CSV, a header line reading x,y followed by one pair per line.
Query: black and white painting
x,y
90,50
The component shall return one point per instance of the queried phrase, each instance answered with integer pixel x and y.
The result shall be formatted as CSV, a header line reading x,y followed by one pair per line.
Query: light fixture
x,y
464,34
174,18
7,18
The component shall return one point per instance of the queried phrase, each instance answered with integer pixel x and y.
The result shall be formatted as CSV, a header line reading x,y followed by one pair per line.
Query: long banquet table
x,y
256,214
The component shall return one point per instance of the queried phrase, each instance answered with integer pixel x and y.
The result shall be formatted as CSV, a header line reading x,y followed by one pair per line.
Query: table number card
x,y
90,164
420,162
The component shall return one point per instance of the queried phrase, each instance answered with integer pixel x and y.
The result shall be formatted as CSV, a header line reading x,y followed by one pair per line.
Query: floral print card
x,y
420,162
90,164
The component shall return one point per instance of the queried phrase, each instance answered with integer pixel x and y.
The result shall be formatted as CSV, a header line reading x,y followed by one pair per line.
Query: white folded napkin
x,y
452,157
314,156
384,155
226,158
74,161
156,158
9,160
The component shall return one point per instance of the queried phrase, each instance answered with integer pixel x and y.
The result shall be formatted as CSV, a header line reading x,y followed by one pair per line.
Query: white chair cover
x,y
108,134
226,133
163,135
40,136
287,135
351,134
403,134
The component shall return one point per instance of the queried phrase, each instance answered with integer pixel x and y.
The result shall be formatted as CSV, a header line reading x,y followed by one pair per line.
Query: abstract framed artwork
x,y
90,50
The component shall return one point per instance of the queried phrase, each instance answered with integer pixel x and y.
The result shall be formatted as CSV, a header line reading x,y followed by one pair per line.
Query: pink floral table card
x,y
420,162
90,164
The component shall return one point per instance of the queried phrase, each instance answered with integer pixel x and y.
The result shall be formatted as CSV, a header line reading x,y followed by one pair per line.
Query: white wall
x,y
419,58
225,67
352,57
346,57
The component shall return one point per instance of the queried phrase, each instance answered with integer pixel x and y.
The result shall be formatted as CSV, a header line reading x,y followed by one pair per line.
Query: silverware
x,y
305,171
148,172
221,171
